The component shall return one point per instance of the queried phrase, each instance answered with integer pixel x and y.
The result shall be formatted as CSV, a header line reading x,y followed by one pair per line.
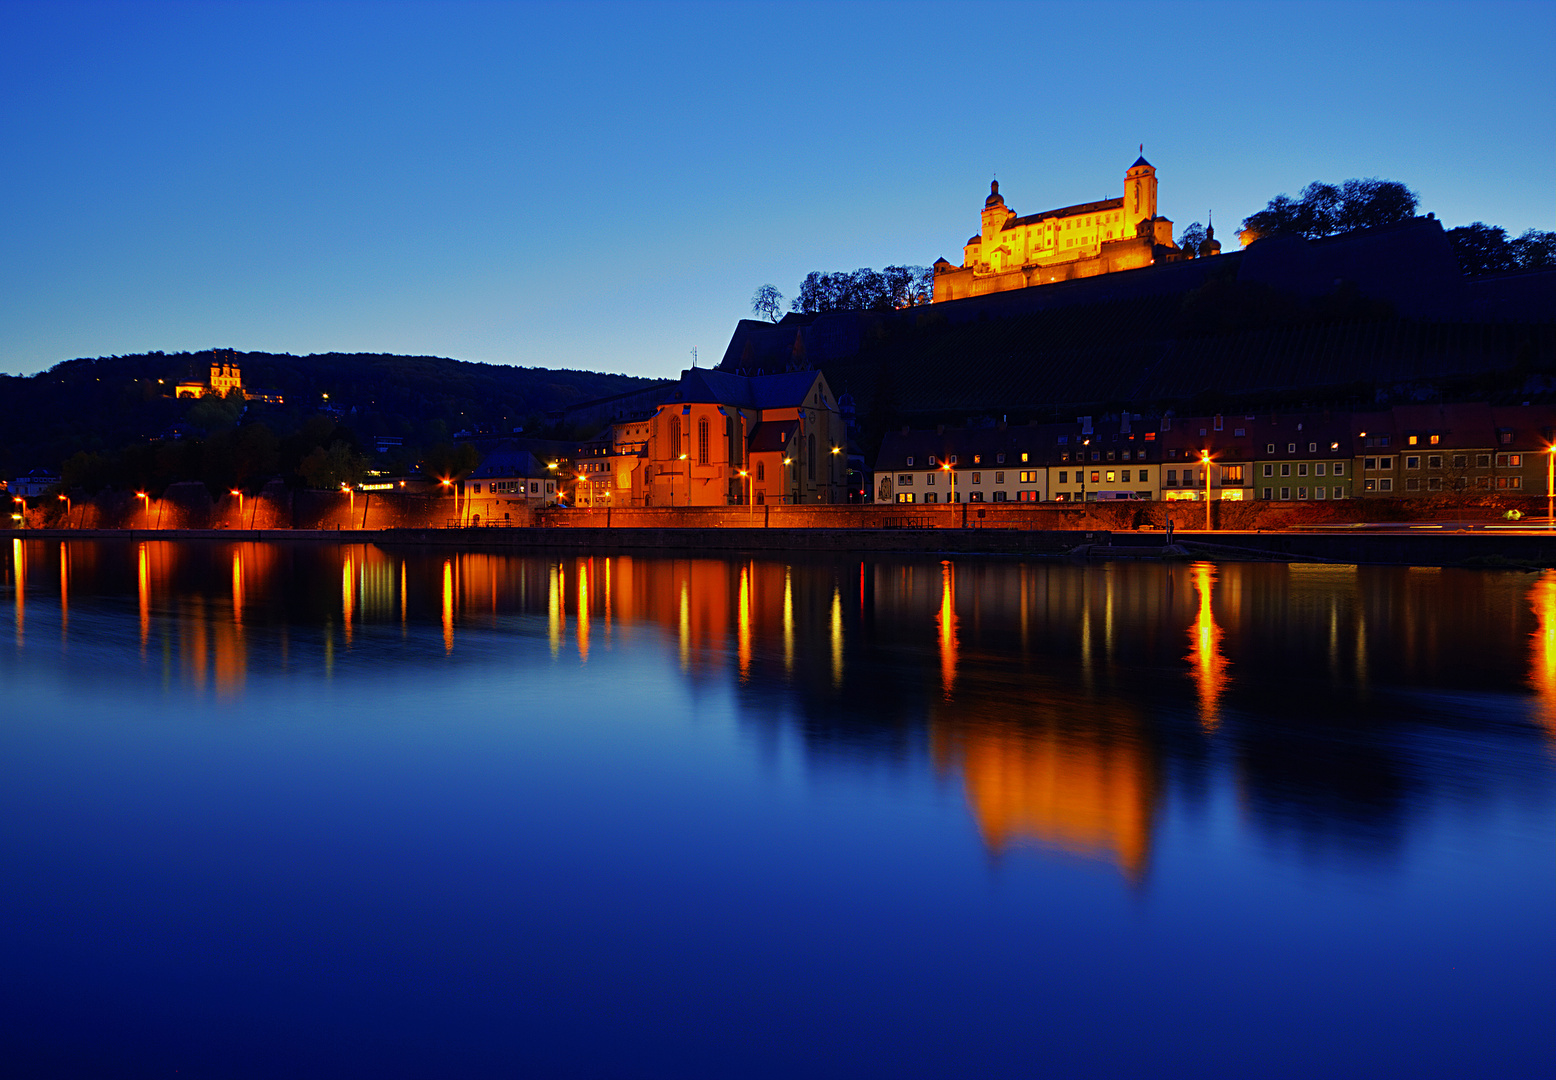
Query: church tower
x,y
1139,193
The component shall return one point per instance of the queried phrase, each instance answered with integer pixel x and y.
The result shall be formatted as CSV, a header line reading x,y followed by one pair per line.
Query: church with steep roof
x,y
1012,252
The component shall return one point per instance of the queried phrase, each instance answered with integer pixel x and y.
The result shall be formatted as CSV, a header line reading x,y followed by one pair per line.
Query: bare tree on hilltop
x,y
767,303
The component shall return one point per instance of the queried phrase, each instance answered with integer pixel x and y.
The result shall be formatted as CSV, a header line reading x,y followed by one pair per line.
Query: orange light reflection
x,y
1209,670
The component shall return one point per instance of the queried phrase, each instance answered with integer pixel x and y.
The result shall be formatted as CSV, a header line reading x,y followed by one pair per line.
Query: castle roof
x,y
1067,211
709,386
1139,161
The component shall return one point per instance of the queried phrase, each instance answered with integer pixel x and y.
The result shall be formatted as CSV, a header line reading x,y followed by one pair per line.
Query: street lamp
x,y
836,450
946,468
352,495
147,500
750,502
66,500
786,462
22,516
1204,459
688,470
1550,486
239,493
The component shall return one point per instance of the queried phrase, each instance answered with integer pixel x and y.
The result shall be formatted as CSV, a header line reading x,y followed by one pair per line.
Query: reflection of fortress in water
x,y
1061,697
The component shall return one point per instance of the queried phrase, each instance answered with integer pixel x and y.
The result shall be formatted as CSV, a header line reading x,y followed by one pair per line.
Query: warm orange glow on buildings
x,y
1085,240
1209,671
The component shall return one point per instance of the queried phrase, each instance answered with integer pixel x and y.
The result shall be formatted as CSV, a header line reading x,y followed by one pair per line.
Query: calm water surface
x,y
278,810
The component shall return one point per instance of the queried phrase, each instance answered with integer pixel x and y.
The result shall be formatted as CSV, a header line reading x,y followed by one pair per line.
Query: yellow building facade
x,y
1085,240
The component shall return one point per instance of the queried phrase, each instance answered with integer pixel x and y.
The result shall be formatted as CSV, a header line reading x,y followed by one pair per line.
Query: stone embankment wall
x,y
190,506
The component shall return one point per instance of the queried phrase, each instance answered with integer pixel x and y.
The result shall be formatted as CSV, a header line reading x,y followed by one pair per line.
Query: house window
x,y
534,487
1285,494
1412,484
1318,469
999,459
999,477
761,470
1412,440
702,441
1232,474
1124,477
1291,448
1285,468
1369,485
1269,448
1267,492
999,496
977,459
976,496
910,461
1434,483
929,479
1510,461
1238,432
1483,461
1023,457
1111,476
1461,461
1412,462
1370,463
1312,448
905,480
904,496
1318,493
931,459
1143,475
1505,437
1432,439
1434,461
953,459
1269,470
1302,493
1386,463
1172,478
1385,484
1510,481
1094,477
977,478
1026,496
1302,469
1339,468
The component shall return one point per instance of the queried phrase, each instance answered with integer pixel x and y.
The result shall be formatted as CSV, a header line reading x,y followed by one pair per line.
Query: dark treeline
x,y
111,422
1329,210
860,290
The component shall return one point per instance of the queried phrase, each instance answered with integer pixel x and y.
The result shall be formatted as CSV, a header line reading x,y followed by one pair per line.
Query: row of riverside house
x,y
1408,451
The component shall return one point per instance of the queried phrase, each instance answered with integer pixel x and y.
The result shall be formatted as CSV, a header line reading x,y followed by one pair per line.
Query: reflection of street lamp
x,y
1204,459
147,500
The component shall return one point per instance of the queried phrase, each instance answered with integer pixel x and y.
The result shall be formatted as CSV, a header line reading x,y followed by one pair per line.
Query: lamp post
x,y
448,484
951,475
687,469
239,493
352,496
66,500
22,515
786,462
1550,486
750,499
146,500
1204,459
836,450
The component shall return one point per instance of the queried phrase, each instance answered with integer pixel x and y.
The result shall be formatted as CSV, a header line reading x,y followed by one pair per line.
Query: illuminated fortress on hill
x,y
1011,252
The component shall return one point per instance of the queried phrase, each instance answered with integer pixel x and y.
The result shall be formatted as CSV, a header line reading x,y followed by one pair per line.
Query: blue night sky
x,y
604,186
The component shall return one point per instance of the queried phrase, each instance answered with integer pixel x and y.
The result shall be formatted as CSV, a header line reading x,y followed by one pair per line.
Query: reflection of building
x,y
1011,252
1078,791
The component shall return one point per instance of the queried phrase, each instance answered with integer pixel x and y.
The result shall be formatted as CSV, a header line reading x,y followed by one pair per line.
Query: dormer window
x,y
910,459
931,459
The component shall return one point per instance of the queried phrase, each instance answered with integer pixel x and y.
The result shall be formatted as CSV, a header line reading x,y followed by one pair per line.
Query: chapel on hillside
x,y
1013,252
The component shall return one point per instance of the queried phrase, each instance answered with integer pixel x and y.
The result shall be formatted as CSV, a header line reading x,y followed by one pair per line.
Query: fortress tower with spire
x,y
1013,252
